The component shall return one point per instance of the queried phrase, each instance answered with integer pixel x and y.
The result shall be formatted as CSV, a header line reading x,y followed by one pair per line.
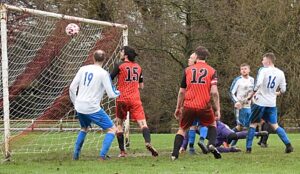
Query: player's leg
x,y
203,135
238,124
191,137
101,119
243,121
126,124
264,138
255,117
185,121
84,123
184,143
147,137
121,112
207,118
271,117
228,149
137,113
212,134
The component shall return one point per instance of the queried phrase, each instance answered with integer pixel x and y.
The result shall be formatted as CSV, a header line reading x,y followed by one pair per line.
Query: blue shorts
x,y
100,118
196,122
243,116
269,114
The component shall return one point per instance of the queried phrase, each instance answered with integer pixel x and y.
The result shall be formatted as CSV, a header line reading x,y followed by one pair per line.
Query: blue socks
x,y
192,136
249,140
78,144
108,139
203,132
282,135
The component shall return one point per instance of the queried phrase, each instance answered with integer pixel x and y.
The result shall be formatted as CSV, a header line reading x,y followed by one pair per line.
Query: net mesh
x,y
43,61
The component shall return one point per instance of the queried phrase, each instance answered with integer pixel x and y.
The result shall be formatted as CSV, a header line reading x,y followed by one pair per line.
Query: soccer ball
x,y
72,29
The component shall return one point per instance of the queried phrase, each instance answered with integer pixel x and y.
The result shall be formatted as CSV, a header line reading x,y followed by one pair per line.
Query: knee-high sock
x,y
212,135
146,135
282,135
203,132
120,137
185,141
108,139
264,139
177,143
79,142
250,136
191,135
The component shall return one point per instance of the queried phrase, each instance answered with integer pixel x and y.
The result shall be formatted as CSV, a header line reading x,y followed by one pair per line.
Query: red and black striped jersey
x,y
197,81
129,76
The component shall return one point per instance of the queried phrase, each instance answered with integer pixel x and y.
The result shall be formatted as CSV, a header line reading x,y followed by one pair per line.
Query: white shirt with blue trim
x,y
91,81
240,89
268,80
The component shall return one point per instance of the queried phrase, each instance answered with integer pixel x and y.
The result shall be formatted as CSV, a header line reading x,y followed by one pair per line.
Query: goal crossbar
x,y
62,16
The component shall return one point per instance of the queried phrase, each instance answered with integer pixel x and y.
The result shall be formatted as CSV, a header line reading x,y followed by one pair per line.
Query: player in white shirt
x,y
241,88
89,84
269,80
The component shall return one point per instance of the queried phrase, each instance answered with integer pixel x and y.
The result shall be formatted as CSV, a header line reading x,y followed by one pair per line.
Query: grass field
x,y
262,160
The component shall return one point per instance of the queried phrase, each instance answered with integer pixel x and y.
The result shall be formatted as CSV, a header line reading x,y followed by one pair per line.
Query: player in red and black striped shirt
x,y
198,98
130,79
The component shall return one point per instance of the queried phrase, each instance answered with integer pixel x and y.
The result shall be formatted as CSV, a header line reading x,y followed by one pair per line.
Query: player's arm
x,y
141,81
233,90
215,98
259,80
282,85
180,97
115,71
109,87
74,86
258,84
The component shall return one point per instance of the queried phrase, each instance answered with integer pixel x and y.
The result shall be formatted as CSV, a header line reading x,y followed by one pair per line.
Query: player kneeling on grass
x,y
130,79
224,135
89,84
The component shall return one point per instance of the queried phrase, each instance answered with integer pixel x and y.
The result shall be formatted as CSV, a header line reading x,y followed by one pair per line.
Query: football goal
x,y
38,62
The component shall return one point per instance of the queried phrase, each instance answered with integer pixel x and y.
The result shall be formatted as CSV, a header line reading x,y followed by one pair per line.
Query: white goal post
x,y
81,47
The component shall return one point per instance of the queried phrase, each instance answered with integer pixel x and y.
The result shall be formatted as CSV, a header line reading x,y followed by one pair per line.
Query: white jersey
x,y
267,82
91,81
240,89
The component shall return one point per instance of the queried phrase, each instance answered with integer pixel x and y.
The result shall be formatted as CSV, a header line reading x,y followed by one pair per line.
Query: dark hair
x,y
99,56
130,52
202,52
270,56
245,64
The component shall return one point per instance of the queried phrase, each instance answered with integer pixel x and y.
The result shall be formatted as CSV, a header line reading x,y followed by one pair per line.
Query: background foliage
x,y
165,32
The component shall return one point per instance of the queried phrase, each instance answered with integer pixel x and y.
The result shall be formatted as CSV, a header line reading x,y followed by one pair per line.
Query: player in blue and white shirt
x,y
270,82
241,88
90,83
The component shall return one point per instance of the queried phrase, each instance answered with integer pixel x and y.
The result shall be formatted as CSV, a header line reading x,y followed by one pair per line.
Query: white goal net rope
x,y
42,62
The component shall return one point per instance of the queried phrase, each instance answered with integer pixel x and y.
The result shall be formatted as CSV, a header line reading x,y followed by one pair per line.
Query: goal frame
x,y
4,8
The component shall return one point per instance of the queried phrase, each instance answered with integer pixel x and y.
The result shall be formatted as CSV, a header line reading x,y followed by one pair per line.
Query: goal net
x,y
42,62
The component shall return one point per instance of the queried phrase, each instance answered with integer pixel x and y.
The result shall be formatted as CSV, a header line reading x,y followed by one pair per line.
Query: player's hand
x,y
238,105
278,93
177,113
